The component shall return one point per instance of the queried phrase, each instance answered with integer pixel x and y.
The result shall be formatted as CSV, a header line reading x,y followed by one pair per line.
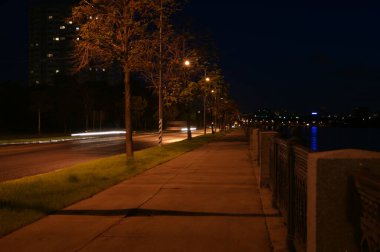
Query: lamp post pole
x,y
204,114
187,64
160,114
204,107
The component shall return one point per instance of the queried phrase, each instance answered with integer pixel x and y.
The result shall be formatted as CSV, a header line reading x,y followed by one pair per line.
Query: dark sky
x,y
294,55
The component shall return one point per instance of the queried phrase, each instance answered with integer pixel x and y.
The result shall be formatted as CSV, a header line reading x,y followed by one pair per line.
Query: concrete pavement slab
x,y
184,233
58,233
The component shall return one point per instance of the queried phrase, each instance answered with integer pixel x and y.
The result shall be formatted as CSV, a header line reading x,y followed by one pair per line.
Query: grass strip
x,y
26,200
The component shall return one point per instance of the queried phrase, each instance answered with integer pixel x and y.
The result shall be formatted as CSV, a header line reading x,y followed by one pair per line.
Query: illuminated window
x,y
70,22
104,69
78,39
62,27
57,71
56,39
37,44
90,17
77,28
50,17
37,82
50,55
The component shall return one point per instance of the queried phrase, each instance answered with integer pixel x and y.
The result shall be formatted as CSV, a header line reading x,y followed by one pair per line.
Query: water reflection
x,y
314,138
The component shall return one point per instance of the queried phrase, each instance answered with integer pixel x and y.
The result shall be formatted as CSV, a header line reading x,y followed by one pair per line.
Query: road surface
x,y
19,161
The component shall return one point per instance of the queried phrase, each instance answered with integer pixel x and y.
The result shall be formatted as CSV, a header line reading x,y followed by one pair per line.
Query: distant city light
x,y
314,113
100,133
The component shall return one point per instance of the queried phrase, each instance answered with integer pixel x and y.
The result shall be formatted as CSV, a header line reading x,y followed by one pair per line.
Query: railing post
x,y
291,199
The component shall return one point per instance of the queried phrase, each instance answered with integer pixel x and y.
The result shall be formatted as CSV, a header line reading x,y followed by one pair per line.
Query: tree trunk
x,y
189,137
128,121
39,121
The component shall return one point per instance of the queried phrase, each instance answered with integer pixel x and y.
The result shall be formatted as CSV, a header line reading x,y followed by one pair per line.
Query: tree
x,y
113,31
39,103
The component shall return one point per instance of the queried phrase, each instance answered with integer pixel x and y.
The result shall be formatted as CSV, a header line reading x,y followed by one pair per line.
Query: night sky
x,y
293,55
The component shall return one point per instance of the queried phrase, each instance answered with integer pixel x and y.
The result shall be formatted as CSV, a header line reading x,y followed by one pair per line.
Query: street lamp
x,y
187,65
214,112
204,108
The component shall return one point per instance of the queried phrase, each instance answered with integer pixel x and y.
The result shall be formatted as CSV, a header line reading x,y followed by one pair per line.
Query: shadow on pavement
x,y
153,212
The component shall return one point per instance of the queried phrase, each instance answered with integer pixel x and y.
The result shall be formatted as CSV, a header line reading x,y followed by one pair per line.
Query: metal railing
x,y
289,187
299,196
368,188
288,181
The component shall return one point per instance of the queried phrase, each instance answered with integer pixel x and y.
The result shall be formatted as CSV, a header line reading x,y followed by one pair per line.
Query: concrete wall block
x,y
265,141
333,222
254,144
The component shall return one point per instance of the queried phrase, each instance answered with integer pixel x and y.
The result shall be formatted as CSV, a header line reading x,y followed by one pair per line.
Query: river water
x,y
322,139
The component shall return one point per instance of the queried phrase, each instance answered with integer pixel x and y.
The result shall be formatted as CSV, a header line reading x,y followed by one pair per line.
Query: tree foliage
x,y
115,31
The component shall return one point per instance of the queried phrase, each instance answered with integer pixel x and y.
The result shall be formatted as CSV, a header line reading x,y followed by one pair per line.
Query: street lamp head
x,y
207,79
213,91
187,63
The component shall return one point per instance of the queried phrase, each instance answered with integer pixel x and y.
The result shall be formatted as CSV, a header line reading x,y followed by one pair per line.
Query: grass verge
x,y
25,200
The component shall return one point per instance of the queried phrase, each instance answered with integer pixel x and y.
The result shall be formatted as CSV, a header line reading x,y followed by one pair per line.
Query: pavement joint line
x,y
141,212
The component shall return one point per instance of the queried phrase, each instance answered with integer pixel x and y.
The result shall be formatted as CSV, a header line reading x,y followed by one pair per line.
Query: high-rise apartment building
x,y
51,37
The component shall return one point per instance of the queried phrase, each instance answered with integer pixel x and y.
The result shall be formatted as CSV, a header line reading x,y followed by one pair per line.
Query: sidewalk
x,y
204,200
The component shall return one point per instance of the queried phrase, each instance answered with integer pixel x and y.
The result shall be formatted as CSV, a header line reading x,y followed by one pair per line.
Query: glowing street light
x,y
204,108
189,137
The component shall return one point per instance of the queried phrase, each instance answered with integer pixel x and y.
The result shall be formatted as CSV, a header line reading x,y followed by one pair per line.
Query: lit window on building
x,y
57,71
104,69
77,28
37,82
50,55
37,44
78,39
62,27
56,39
70,22
50,17
90,17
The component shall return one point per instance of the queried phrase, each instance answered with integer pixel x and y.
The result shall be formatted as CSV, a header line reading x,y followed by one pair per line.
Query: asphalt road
x,y
19,161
